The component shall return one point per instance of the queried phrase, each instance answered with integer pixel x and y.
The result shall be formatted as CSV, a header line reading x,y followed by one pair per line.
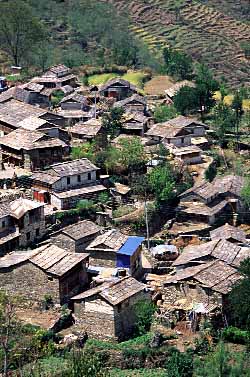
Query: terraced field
x,y
203,31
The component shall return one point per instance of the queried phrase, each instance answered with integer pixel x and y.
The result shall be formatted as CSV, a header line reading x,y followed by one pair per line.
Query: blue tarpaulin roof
x,y
131,245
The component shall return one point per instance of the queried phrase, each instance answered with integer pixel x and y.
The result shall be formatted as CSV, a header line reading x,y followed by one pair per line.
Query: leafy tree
x,y
20,30
245,193
179,365
206,85
132,154
239,296
178,63
224,120
86,150
163,113
162,183
221,363
144,311
186,100
57,96
112,121
10,328
85,364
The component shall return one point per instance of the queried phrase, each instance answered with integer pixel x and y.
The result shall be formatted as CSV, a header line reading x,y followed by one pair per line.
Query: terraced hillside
x,y
204,32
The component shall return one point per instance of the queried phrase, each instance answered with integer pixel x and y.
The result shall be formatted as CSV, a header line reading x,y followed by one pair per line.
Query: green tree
x,y
245,193
178,64
20,30
206,85
224,121
132,155
221,363
163,113
10,328
239,297
179,365
186,100
85,364
144,311
112,121
85,150
162,183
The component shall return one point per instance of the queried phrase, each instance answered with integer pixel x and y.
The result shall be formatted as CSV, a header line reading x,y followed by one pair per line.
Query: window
x,y
182,140
28,236
89,176
68,181
3,224
37,232
50,278
79,178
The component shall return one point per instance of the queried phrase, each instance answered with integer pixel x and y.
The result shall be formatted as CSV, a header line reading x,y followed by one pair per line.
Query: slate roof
x,y
133,98
166,130
7,94
75,97
229,183
115,292
173,90
33,123
185,122
111,240
223,250
217,275
65,169
120,82
55,260
21,206
228,232
13,112
81,229
29,140
79,191
88,128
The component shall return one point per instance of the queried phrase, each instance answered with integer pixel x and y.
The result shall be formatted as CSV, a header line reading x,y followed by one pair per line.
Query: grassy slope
x,y
204,32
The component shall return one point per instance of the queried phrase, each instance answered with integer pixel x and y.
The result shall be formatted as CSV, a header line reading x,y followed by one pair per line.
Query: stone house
x,y
46,271
31,150
113,249
134,123
229,233
218,249
37,124
12,112
206,202
206,284
108,311
56,77
33,94
75,101
22,222
133,104
188,155
171,135
91,130
64,184
118,89
76,237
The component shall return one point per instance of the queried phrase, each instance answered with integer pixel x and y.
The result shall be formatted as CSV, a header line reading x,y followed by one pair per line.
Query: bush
x,y
235,335
144,311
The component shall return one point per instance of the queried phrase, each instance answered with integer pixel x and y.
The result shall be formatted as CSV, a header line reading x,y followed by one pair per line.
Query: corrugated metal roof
x,y
131,245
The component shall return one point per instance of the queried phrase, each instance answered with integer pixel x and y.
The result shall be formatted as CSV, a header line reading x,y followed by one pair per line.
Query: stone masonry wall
x,y
30,282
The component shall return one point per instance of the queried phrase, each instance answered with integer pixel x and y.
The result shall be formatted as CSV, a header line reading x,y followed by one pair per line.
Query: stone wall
x,y
102,258
103,321
197,293
67,243
30,282
32,228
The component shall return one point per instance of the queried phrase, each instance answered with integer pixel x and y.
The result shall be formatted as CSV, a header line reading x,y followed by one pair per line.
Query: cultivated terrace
x,y
124,188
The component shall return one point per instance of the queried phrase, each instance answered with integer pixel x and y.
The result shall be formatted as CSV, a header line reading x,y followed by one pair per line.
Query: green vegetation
x,y
122,211
178,64
245,192
162,183
144,311
239,297
100,79
138,373
163,113
137,78
20,31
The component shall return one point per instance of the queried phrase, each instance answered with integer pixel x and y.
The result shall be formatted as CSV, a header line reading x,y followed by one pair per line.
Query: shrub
x,y
235,335
144,311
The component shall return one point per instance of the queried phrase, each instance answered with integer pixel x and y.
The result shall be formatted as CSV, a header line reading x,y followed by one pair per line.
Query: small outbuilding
x,y
108,311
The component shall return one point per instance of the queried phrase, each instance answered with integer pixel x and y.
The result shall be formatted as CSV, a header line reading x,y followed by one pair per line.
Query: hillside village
x,y
124,216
